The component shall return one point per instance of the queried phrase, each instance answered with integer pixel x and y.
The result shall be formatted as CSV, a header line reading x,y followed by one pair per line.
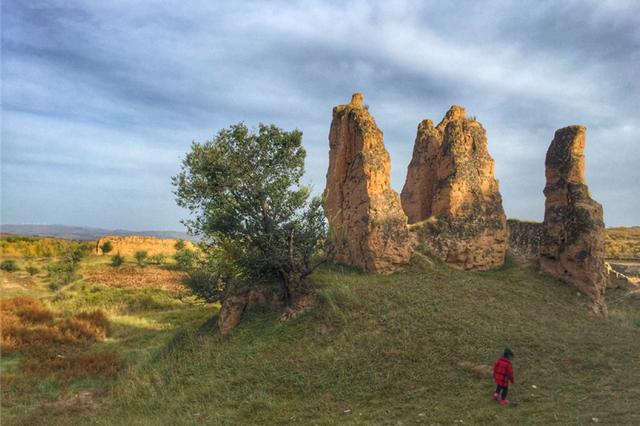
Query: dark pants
x,y
502,390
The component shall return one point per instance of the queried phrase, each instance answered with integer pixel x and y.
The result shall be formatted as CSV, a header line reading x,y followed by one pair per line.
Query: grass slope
x,y
388,349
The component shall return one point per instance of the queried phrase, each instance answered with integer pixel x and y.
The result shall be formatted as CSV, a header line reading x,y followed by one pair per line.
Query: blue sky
x,y
101,100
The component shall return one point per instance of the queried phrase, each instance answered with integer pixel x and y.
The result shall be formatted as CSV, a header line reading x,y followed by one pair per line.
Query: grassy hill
x,y
408,348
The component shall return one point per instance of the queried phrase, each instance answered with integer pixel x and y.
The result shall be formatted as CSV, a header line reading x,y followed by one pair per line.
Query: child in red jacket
x,y
503,374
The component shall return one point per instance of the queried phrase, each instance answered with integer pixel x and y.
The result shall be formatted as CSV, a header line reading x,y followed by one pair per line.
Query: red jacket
x,y
503,372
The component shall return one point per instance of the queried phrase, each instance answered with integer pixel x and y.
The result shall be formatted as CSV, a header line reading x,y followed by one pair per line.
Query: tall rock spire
x,y
451,179
367,223
572,243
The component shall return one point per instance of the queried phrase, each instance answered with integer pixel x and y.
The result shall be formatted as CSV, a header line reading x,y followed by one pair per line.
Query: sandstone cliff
x,y
451,179
130,244
367,223
572,244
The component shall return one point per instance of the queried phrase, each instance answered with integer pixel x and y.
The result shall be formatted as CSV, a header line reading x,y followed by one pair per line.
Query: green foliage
x,y
106,247
117,260
32,270
141,257
244,190
179,245
9,265
207,283
31,247
158,259
65,271
185,259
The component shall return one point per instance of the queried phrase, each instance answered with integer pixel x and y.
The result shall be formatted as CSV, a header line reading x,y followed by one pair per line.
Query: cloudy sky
x,y
101,99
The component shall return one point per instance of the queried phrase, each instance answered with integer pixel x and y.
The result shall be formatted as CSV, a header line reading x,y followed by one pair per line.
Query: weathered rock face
x,y
524,239
451,178
572,244
234,305
364,213
616,280
130,244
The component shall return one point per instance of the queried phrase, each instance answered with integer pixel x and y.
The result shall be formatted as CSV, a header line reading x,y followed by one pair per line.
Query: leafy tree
x,y
117,260
185,259
141,257
65,271
106,247
32,270
9,265
256,220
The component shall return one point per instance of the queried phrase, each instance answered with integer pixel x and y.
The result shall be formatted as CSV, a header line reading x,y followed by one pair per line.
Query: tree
x,y
185,259
117,260
256,221
141,257
106,247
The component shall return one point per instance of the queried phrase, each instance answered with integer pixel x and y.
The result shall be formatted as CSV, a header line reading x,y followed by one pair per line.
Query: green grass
x,y
377,350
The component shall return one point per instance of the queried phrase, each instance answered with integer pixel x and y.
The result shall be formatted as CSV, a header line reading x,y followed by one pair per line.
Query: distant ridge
x,y
85,233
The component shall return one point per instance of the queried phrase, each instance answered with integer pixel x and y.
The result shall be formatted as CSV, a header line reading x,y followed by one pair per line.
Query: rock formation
x,y
524,239
451,180
367,223
617,280
234,305
130,244
572,244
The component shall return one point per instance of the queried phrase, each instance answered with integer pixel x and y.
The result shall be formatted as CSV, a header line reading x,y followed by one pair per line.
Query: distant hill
x,y
82,233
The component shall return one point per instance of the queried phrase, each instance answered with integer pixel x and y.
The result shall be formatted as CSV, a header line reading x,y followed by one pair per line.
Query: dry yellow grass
x,y
54,345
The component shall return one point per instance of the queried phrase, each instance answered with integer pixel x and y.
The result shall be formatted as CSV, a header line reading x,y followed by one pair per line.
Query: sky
x,y
101,100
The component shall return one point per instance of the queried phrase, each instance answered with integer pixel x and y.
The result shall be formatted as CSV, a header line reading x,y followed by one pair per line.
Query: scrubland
x,y
129,345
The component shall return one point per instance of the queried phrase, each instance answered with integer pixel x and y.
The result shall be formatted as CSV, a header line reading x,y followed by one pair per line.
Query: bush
x,y
62,273
141,257
206,284
157,259
117,260
9,265
66,270
106,247
32,270
180,245
185,259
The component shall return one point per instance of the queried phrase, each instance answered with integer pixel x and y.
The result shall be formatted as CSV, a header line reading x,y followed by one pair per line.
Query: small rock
x,y
595,419
534,386
347,411
421,415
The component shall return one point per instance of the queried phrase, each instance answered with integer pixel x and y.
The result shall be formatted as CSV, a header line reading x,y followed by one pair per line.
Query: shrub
x,y
141,257
32,270
206,284
9,265
185,259
180,245
157,259
106,247
62,273
117,260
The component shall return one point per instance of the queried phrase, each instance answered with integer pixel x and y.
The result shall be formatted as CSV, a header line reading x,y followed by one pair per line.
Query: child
x,y
503,374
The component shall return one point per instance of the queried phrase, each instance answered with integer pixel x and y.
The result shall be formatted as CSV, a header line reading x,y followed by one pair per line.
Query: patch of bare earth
x,y
137,277
11,280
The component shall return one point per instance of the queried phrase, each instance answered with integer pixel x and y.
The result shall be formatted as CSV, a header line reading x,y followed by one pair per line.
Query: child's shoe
x,y
504,402
496,396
